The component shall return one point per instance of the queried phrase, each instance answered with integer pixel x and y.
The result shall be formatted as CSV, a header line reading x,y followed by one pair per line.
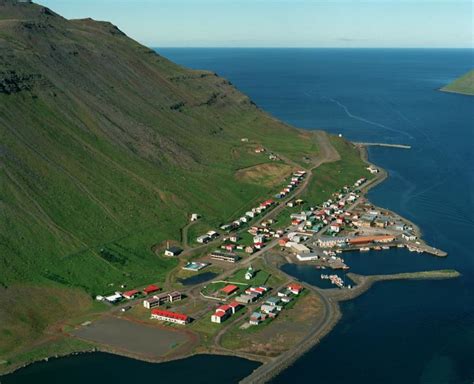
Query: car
x,y
125,309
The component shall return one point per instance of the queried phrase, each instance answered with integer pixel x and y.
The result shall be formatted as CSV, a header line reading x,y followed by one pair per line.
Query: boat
x,y
385,247
400,246
364,249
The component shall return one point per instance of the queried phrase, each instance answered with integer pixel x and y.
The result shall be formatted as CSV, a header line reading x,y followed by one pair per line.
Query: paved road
x,y
270,369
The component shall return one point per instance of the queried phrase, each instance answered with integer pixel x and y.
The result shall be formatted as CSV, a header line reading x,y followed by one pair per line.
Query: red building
x,y
151,289
130,294
229,289
173,317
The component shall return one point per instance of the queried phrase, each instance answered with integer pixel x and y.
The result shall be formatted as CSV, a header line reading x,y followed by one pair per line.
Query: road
x,y
330,317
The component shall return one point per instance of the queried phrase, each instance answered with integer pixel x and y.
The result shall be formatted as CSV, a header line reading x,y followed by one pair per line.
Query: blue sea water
x,y
397,332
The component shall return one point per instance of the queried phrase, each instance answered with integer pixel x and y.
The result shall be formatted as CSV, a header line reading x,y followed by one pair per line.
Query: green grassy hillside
x,y
108,146
464,84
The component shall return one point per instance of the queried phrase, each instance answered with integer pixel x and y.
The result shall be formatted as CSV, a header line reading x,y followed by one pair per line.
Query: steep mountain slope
x,y
464,84
107,146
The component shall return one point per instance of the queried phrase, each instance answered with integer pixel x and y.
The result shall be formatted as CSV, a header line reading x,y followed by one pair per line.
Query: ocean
x,y
399,331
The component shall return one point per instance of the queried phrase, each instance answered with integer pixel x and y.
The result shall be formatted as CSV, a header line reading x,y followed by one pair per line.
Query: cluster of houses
x,y
296,179
117,297
252,294
249,215
274,304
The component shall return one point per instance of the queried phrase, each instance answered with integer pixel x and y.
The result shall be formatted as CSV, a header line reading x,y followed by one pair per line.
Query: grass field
x,y
331,177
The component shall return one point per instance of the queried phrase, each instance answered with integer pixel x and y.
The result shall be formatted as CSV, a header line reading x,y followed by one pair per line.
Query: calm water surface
x,y
397,332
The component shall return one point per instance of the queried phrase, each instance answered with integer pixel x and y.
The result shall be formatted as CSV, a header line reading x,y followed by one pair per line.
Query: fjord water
x,y
406,331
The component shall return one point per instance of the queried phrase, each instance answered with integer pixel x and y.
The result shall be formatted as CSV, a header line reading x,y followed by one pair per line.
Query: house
x,y
234,238
221,314
194,216
283,292
295,288
203,239
175,296
229,289
274,302
229,247
286,299
269,310
250,214
246,299
256,291
249,249
151,303
130,294
335,227
162,298
212,234
282,242
222,256
172,317
256,318
150,289
259,245
173,251
267,203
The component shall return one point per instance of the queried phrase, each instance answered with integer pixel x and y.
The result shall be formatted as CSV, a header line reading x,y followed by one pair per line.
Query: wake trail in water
x,y
374,123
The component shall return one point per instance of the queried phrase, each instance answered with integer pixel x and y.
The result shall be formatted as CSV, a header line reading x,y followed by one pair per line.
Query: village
x,y
316,234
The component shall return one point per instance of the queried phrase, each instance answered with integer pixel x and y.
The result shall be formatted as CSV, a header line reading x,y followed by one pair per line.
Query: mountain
x,y
106,149
103,139
464,84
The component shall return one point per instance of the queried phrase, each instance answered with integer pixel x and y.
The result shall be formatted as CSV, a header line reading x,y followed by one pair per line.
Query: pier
x,y
401,146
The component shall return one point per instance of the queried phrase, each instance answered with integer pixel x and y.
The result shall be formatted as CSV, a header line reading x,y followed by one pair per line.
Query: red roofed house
x,y
229,289
172,317
282,242
295,288
266,203
258,290
151,289
221,314
130,294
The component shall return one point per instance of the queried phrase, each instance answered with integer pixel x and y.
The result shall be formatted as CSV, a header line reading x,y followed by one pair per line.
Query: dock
x,y
401,146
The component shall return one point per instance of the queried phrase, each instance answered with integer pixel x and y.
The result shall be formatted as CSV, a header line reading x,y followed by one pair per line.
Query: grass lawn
x,y
260,278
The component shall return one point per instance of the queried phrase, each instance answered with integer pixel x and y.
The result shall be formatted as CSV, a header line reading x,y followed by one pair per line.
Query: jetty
x,y
402,146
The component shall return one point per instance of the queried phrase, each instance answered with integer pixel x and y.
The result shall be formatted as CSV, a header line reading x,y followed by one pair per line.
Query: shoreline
x,y
272,366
